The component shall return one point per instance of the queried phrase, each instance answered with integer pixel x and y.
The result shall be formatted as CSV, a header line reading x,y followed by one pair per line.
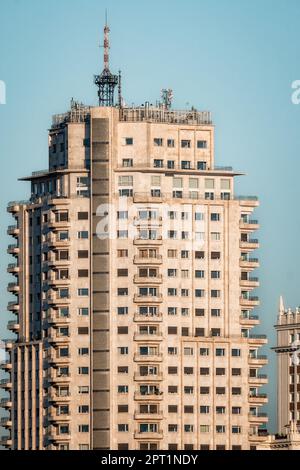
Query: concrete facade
x,y
133,287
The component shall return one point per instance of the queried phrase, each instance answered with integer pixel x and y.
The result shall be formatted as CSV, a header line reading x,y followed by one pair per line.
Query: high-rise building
x,y
133,280
288,367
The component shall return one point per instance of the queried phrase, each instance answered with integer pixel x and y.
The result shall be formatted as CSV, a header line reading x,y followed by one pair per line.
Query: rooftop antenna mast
x,y
106,81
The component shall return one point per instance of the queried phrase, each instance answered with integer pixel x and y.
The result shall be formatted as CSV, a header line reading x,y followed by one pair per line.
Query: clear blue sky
x,y
236,58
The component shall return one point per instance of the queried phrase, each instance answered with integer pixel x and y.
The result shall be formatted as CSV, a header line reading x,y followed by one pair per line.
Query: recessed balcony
x,y
59,301
148,435
13,326
148,337
147,261
148,358
148,318
13,249
58,418
13,307
13,287
259,360
13,230
147,280
148,416
148,378
54,242
259,398
260,379
56,263
148,397
58,282
57,225
59,379
54,359
148,241
58,339
54,397
147,299
52,436
56,319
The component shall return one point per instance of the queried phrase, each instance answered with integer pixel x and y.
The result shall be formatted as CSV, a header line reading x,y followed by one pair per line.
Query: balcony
x,y
257,339
58,282
145,198
249,245
148,337
259,398
249,320
6,422
53,436
6,365
148,318
14,206
9,343
147,299
13,249
148,397
57,225
148,241
54,397
59,201
147,261
259,418
259,360
54,359
55,300
6,403
55,319
13,307
6,384
55,339
248,201
251,282
13,230
250,225
250,263
148,416
54,242
13,326
148,378
58,418
58,379
13,287
148,435
6,441
13,268
56,263
249,302
149,358
260,379
147,280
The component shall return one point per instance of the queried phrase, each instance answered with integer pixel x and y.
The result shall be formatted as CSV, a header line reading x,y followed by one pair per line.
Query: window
x,y
220,429
83,351
215,293
122,273
204,428
122,408
236,430
158,163
83,330
236,410
83,370
185,254
170,164
201,144
185,165
122,310
215,332
236,391
188,371
172,311
125,192
220,352
185,312
122,215
83,292
204,390
215,255
83,235
215,236
225,184
128,140
83,409
185,144
199,254
209,183
83,215
125,180
199,312
220,410
199,332
204,410
83,428
123,370
172,370
83,254
204,352
172,428
127,162
84,312
83,273
235,372
201,166
172,272
172,408
236,353
123,428
214,217
177,182
122,234
158,142
215,274
171,143
122,330
215,312
172,389
122,291
172,234
199,274
82,390
199,236
188,428
122,253
184,331
199,293
123,351
188,409
193,183
204,370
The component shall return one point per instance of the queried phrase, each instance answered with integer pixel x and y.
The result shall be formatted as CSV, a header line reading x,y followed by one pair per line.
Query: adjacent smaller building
x,y
288,365
288,441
